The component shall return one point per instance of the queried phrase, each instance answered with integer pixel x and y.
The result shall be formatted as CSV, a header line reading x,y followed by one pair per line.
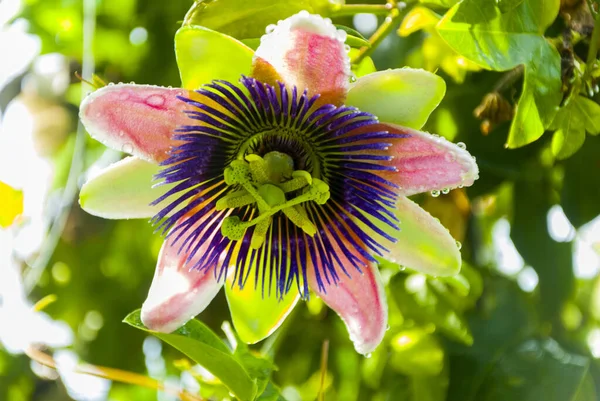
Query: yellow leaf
x,y
418,18
11,204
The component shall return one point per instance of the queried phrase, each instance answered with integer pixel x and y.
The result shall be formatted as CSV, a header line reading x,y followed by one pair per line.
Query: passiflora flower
x,y
277,174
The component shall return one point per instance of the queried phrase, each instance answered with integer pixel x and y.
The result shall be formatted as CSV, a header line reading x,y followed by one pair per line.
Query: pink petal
x,y
359,300
177,294
426,162
306,51
136,119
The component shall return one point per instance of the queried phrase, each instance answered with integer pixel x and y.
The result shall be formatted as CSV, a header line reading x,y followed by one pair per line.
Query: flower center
x,y
270,182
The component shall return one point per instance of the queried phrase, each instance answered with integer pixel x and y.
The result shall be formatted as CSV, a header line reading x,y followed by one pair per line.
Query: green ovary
x,y
268,181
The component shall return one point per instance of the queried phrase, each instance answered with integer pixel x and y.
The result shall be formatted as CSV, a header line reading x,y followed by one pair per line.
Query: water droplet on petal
x,y
111,83
445,191
461,145
435,193
352,78
127,148
347,48
387,327
458,245
368,355
270,28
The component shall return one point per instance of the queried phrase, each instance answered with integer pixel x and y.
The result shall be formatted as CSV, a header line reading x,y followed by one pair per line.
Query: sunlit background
x,y
99,270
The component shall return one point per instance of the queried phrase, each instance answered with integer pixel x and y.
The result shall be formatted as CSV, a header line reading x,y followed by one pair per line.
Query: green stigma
x,y
267,182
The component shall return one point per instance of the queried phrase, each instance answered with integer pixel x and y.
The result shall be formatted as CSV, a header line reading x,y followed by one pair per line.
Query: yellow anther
x,y
260,233
238,172
235,199
233,228
297,216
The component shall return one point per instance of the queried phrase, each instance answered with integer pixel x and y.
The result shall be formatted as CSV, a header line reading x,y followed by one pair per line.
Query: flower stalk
x,y
381,33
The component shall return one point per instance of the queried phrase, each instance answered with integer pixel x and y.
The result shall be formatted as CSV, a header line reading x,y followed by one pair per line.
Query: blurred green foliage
x,y
478,336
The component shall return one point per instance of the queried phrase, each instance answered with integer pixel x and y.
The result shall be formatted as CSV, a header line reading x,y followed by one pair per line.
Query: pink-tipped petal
x,y
359,300
427,163
177,294
306,51
136,119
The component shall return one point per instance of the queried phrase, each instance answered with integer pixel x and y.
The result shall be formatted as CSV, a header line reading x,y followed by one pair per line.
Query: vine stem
x,y
593,50
381,32
117,375
324,358
69,192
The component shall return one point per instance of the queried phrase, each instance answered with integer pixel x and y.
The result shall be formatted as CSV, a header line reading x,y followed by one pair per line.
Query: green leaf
x,y
244,19
354,38
203,346
587,389
570,130
566,142
365,67
204,55
536,370
272,393
551,260
418,301
417,352
581,190
589,112
507,5
441,3
504,316
502,40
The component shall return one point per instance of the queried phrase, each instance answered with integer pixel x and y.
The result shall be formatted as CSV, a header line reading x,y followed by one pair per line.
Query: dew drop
x,y
270,28
387,328
111,83
155,100
353,78
347,48
388,6
458,245
435,193
445,191
127,148
368,355
461,145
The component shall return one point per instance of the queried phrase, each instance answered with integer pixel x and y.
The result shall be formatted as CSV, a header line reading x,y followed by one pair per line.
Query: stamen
x,y
262,180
